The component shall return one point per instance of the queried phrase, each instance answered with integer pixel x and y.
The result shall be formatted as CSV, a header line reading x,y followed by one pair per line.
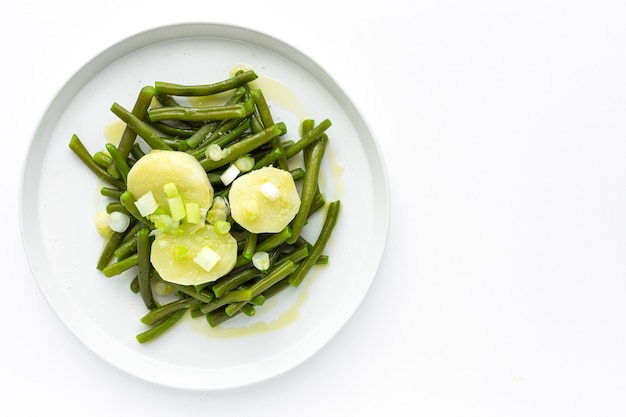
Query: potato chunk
x,y
158,168
175,255
264,200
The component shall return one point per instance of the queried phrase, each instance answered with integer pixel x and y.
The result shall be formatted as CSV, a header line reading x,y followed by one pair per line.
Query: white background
x,y
502,291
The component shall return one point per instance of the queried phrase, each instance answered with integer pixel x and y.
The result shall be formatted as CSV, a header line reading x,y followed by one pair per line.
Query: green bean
x,y
114,241
297,174
248,310
214,179
276,288
166,100
136,151
234,134
129,135
305,126
160,328
134,284
233,308
255,124
200,135
244,146
131,232
79,149
201,295
118,160
120,266
274,240
126,249
276,274
309,187
110,192
219,316
250,245
230,297
259,300
322,260
308,138
205,89
161,312
275,253
103,161
268,159
329,224
208,129
116,206
170,130
144,268
318,202
175,143
128,200
234,280
296,255
197,114
140,127
268,120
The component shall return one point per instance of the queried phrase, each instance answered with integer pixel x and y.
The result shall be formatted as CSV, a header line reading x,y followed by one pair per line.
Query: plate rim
x,y
121,49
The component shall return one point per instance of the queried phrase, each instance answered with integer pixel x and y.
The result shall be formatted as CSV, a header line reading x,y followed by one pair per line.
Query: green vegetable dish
x,y
208,201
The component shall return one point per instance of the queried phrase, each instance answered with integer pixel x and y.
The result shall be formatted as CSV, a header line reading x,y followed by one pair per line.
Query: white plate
x,y
60,198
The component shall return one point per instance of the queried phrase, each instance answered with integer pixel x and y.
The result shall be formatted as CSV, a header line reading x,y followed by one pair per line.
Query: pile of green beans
x,y
242,125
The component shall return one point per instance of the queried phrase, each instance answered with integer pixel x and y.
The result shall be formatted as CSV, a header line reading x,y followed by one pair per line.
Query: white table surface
x,y
502,291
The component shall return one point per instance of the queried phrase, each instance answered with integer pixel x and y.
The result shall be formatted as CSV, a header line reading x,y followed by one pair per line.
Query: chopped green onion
x,y
177,207
193,213
207,258
269,190
146,204
245,163
230,174
221,227
118,221
214,152
261,260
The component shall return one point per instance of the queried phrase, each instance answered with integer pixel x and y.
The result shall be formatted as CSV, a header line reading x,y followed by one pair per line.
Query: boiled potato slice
x,y
158,168
172,254
264,200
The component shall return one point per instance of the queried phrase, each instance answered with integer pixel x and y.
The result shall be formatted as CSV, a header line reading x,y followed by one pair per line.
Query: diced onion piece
x,y
193,213
164,222
118,221
146,204
221,227
207,258
261,261
170,190
177,207
245,163
230,174
102,224
203,214
214,152
219,211
269,190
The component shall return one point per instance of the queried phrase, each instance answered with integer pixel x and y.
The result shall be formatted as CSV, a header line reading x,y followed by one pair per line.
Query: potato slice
x,y
172,254
158,168
264,200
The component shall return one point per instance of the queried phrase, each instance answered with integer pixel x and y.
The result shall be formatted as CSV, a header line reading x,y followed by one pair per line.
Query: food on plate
x,y
206,204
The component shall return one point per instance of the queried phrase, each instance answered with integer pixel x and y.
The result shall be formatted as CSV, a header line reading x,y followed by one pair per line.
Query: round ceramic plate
x,y
60,199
